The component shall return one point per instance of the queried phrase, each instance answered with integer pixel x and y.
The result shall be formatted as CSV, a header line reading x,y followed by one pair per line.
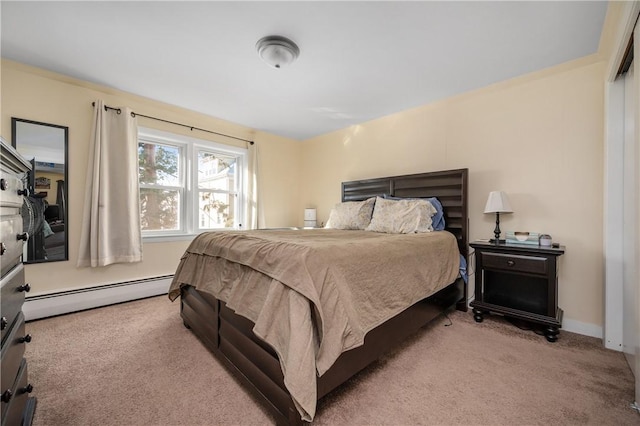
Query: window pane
x,y
160,209
158,164
216,171
216,210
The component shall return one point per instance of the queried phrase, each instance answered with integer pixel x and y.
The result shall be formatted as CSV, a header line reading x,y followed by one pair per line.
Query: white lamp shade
x,y
497,203
310,214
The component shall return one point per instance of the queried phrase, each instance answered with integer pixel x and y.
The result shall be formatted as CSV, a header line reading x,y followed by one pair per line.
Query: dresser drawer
x,y
516,263
10,184
11,297
13,411
12,354
10,228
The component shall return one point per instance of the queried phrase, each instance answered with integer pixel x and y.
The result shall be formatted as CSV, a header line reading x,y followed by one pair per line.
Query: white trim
x,y
48,305
583,328
573,326
157,137
167,238
613,331
634,316
53,304
630,16
613,214
240,155
189,149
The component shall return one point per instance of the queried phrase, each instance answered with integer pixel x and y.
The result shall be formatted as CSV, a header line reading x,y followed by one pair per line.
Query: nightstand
x,y
519,281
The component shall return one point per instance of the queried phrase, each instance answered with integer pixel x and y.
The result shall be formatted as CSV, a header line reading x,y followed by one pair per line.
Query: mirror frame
x,y
14,143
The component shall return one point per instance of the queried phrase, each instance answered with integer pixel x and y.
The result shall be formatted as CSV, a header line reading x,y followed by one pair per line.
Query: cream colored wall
x,y
539,138
38,95
279,172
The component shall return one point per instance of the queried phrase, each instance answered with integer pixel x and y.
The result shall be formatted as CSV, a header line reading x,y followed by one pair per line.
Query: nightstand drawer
x,y
516,263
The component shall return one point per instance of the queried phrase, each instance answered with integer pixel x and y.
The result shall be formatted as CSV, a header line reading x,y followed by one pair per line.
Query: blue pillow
x,y
437,220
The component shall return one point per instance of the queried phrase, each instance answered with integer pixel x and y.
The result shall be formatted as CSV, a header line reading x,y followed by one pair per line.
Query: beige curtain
x,y
111,222
255,215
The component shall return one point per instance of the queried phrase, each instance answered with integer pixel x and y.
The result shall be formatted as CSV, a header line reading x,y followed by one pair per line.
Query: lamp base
x,y
497,241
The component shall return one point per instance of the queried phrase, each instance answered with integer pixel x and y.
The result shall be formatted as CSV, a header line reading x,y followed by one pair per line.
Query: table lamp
x,y
497,203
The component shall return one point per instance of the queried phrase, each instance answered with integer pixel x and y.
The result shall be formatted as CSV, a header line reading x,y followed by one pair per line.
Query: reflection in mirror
x,y
44,211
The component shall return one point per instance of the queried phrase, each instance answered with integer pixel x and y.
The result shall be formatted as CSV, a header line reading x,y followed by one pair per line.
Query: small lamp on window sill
x,y
497,203
310,219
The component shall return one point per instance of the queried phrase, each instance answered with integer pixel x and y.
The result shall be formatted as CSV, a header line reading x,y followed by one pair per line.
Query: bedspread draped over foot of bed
x,y
314,294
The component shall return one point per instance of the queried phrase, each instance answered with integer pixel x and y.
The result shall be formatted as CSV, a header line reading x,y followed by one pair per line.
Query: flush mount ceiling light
x,y
277,51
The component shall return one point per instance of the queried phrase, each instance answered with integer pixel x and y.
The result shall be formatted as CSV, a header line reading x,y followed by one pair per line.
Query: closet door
x,y
622,194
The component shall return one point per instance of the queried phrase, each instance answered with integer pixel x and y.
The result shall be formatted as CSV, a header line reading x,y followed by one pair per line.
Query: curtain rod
x,y
135,114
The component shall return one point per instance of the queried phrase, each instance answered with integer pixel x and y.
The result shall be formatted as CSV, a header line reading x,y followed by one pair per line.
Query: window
x,y
161,181
217,190
189,185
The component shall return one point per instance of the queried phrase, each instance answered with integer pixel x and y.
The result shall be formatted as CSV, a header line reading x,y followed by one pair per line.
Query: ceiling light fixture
x,y
277,51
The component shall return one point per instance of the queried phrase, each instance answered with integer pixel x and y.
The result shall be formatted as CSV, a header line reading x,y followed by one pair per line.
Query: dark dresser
x,y
17,405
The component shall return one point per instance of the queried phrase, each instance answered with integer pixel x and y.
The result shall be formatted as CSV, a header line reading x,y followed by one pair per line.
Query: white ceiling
x,y
358,61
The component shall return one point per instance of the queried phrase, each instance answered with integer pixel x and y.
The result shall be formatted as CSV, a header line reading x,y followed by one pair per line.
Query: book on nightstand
x,y
532,238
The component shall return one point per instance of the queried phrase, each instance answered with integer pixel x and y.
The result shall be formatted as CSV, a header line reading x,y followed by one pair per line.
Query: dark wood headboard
x,y
450,186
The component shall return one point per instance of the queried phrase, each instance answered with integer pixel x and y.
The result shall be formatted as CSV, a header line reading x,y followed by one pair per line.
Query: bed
x,y
324,332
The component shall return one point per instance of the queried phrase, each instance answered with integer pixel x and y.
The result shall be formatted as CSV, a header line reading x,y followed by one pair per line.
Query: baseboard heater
x,y
64,302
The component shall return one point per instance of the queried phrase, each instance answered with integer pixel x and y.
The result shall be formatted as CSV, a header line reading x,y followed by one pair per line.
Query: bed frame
x,y
254,362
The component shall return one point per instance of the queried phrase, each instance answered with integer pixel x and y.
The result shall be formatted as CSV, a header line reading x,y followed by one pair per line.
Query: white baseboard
x,y
48,305
583,328
65,302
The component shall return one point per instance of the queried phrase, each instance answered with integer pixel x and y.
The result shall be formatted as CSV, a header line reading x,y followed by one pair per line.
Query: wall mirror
x,y
44,211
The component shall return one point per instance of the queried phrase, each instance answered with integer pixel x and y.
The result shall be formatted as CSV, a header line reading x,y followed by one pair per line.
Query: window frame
x,y
182,188
189,225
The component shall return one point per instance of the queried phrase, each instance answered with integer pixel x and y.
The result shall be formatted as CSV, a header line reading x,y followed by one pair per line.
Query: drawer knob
x,y
3,323
510,262
3,184
24,192
6,395
25,339
24,236
27,389
26,288
3,248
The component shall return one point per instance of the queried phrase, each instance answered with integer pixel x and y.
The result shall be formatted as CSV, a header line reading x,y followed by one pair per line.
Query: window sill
x,y
167,238
177,237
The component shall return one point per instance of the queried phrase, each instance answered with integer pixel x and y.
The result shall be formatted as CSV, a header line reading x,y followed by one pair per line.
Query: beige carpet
x,y
135,364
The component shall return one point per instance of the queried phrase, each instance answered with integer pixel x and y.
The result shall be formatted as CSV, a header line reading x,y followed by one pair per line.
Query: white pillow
x,y
401,216
351,214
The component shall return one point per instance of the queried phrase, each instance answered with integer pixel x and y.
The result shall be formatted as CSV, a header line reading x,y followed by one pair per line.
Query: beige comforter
x,y
314,294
